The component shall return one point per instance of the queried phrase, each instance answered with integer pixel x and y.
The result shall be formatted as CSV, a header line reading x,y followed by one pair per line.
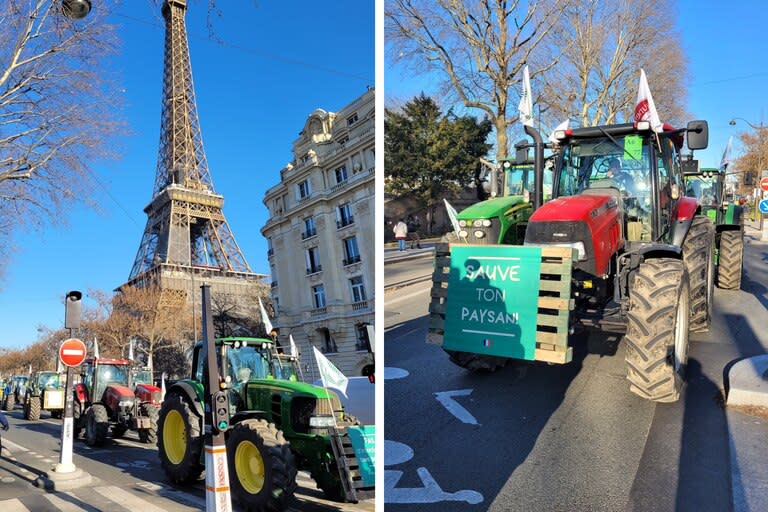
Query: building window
x,y
344,216
352,119
358,289
304,189
318,295
313,260
270,250
341,174
361,338
276,304
329,344
343,140
351,252
309,228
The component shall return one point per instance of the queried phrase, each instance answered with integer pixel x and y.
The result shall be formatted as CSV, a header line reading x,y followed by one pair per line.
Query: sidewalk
x,y
748,433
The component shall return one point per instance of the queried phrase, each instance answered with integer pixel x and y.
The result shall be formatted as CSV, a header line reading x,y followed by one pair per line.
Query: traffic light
x,y
749,178
72,310
220,404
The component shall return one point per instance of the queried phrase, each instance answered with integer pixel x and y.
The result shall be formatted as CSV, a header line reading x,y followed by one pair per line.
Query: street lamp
x,y
759,129
76,9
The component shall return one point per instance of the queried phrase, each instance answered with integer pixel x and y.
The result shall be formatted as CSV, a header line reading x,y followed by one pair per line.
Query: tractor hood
x,y
118,392
571,208
490,208
294,387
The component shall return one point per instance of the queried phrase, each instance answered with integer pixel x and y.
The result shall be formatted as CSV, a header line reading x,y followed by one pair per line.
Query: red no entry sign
x,y
764,184
72,352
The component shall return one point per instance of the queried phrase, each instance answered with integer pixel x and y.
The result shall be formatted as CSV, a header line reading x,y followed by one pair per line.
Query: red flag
x,y
645,108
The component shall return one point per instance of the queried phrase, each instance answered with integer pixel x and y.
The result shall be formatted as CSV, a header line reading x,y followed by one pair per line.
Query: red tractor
x,y
105,398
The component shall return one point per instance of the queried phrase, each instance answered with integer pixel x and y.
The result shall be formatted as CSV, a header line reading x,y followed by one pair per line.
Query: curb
x,y
748,384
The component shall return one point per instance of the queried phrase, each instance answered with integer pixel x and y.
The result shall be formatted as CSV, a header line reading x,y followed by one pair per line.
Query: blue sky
x,y
280,61
725,46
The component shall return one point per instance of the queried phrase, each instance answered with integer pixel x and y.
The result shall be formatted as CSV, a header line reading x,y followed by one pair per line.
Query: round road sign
x,y
764,184
763,206
72,352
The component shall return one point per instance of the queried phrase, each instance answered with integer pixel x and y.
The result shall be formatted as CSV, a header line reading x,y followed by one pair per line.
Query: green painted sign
x,y
633,146
492,300
364,443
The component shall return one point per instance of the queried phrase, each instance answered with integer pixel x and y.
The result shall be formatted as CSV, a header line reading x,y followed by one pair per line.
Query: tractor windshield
x,y
108,375
49,380
621,162
285,368
706,190
516,179
247,362
142,377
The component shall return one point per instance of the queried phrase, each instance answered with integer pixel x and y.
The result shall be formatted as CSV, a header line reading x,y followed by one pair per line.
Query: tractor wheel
x,y
118,431
180,440
477,362
697,255
657,330
32,408
730,260
262,469
149,435
10,402
56,414
77,420
96,425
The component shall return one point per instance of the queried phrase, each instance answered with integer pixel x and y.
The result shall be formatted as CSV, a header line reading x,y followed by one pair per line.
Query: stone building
x,y
321,237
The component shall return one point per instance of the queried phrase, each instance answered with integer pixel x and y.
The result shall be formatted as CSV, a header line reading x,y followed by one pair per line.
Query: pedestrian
x,y
401,234
4,421
414,224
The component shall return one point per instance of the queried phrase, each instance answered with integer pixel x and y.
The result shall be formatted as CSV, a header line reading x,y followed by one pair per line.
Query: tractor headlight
x,y
463,233
125,403
478,223
487,223
479,234
463,223
321,421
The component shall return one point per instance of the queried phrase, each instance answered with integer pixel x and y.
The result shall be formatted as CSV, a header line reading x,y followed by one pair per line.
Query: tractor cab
x,y
99,374
286,367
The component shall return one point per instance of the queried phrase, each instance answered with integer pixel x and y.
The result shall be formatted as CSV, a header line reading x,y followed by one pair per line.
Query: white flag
x,y
453,216
95,347
162,386
645,108
561,127
526,101
294,350
265,318
130,350
330,375
726,160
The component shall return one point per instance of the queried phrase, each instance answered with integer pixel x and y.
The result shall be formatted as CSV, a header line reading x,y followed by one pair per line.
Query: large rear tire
x,y
180,440
477,362
32,408
698,250
149,435
262,469
730,260
96,425
657,330
10,402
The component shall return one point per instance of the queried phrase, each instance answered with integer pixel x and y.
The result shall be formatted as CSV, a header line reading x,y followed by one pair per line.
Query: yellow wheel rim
x,y
249,467
174,437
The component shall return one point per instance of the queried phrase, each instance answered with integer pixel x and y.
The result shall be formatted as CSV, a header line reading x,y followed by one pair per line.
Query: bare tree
x,y
57,111
604,44
478,48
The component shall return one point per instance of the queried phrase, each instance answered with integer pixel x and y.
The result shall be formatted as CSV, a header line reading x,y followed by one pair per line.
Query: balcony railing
x,y
351,260
339,186
358,306
319,311
315,269
345,221
308,234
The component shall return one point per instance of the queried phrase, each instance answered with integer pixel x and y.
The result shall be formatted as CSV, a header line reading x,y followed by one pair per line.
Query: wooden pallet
x,y
555,302
349,468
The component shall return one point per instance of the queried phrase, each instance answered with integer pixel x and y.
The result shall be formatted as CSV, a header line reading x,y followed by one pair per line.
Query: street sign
x,y
763,206
764,184
72,352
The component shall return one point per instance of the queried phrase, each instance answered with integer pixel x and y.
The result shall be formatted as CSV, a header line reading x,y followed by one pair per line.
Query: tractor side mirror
x,y
521,151
698,135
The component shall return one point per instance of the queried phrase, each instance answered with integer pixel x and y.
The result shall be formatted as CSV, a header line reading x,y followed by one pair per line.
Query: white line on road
x,y
405,297
445,398
8,443
64,505
14,505
126,499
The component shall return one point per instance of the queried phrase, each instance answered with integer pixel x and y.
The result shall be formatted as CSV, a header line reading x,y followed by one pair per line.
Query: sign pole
x,y
217,494
65,464
763,207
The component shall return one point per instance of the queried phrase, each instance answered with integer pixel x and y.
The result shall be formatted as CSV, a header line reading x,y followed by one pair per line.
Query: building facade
x,y
321,238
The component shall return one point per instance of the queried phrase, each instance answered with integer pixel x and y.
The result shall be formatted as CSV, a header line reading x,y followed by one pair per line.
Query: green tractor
x,y
45,392
502,219
708,186
14,392
278,425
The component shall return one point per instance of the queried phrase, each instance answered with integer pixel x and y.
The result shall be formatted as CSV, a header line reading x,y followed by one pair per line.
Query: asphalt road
x,y
549,437
126,476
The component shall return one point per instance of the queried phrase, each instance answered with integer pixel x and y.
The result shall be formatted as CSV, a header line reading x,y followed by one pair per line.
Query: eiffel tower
x,y
187,240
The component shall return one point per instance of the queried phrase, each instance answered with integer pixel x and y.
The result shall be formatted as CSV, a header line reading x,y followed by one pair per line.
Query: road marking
x,y
63,505
392,373
8,443
14,505
397,453
455,408
408,296
126,499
